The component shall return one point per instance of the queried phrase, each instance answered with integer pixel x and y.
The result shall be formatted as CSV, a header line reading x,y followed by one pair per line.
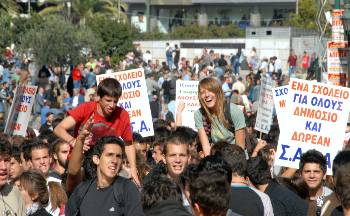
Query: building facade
x,y
167,14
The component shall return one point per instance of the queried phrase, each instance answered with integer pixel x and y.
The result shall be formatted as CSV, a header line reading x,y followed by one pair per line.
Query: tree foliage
x,y
307,15
116,37
57,41
6,33
8,7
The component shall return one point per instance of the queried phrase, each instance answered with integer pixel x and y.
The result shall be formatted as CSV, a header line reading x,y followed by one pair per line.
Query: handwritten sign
x,y
134,99
21,108
317,115
187,92
265,110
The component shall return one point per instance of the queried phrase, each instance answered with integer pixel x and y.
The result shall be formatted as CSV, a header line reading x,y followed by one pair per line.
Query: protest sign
x,y
317,115
337,25
337,62
280,95
265,108
187,92
134,99
21,108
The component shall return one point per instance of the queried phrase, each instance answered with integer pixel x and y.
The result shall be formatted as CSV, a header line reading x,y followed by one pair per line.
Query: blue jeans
x,y
76,84
170,63
291,70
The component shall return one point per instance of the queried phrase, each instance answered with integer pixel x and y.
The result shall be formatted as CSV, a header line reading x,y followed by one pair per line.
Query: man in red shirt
x,y
292,63
108,120
77,75
305,62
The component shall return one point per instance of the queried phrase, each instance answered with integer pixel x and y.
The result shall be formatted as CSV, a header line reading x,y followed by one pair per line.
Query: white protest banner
x,y
187,92
337,62
21,108
134,99
264,116
317,114
280,95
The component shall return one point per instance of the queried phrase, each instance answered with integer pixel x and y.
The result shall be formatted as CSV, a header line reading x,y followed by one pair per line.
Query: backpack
x,y
119,186
227,113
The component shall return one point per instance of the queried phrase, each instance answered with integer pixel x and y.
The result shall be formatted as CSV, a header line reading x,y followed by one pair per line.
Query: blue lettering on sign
x,y
280,92
131,84
125,104
143,126
297,154
299,98
25,99
313,126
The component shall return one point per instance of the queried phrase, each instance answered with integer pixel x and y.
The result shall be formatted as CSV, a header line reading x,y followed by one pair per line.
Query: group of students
x,y
92,164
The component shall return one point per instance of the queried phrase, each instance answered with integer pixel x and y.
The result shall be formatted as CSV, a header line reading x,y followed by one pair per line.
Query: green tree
x,y
307,15
116,37
8,7
57,41
84,9
6,33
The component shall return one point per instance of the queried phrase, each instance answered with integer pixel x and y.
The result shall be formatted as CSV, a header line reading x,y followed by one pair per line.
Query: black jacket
x,y
166,208
41,212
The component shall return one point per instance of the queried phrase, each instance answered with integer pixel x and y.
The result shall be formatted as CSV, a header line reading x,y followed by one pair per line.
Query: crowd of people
x,y
80,156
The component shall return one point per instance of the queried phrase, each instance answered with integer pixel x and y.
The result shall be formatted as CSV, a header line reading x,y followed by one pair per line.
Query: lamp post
x,y
346,24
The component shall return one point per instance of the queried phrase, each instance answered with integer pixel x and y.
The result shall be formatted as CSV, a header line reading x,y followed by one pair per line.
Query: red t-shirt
x,y
292,60
305,61
76,74
118,124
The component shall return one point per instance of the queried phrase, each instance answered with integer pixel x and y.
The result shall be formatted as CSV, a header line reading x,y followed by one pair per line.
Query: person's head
x,y
234,156
210,194
211,98
217,164
32,185
107,157
59,150
16,167
176,153
50,117
188,135
258,171
5,153
26,155
109,91
40,157
140,144
158,148
313,167
341,172
160,189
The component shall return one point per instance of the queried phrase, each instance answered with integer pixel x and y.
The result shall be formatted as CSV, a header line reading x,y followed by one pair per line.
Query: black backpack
x,y
227,113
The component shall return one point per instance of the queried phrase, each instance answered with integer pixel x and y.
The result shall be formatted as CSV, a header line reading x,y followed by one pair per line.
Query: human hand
x,y
260,145
180,107
135,177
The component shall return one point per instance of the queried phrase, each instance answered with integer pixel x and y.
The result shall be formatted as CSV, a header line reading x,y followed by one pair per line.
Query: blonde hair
x,y
212,85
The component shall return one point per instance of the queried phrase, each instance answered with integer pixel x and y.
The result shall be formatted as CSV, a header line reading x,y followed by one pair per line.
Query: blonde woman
x,y
211,120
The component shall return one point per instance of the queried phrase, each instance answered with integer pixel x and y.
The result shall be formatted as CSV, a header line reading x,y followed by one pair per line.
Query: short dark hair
x,y
217,164
188,174
161,188
5,147
258,171
16,153
97,149
55,145
342,178
341,158
177,139
313,156
187,134
37,144
211,191
234,156
110,87
137,138
34,182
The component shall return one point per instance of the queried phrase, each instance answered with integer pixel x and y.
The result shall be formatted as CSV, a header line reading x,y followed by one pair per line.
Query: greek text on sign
x,y
20,111
317,116
187,92
134,99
